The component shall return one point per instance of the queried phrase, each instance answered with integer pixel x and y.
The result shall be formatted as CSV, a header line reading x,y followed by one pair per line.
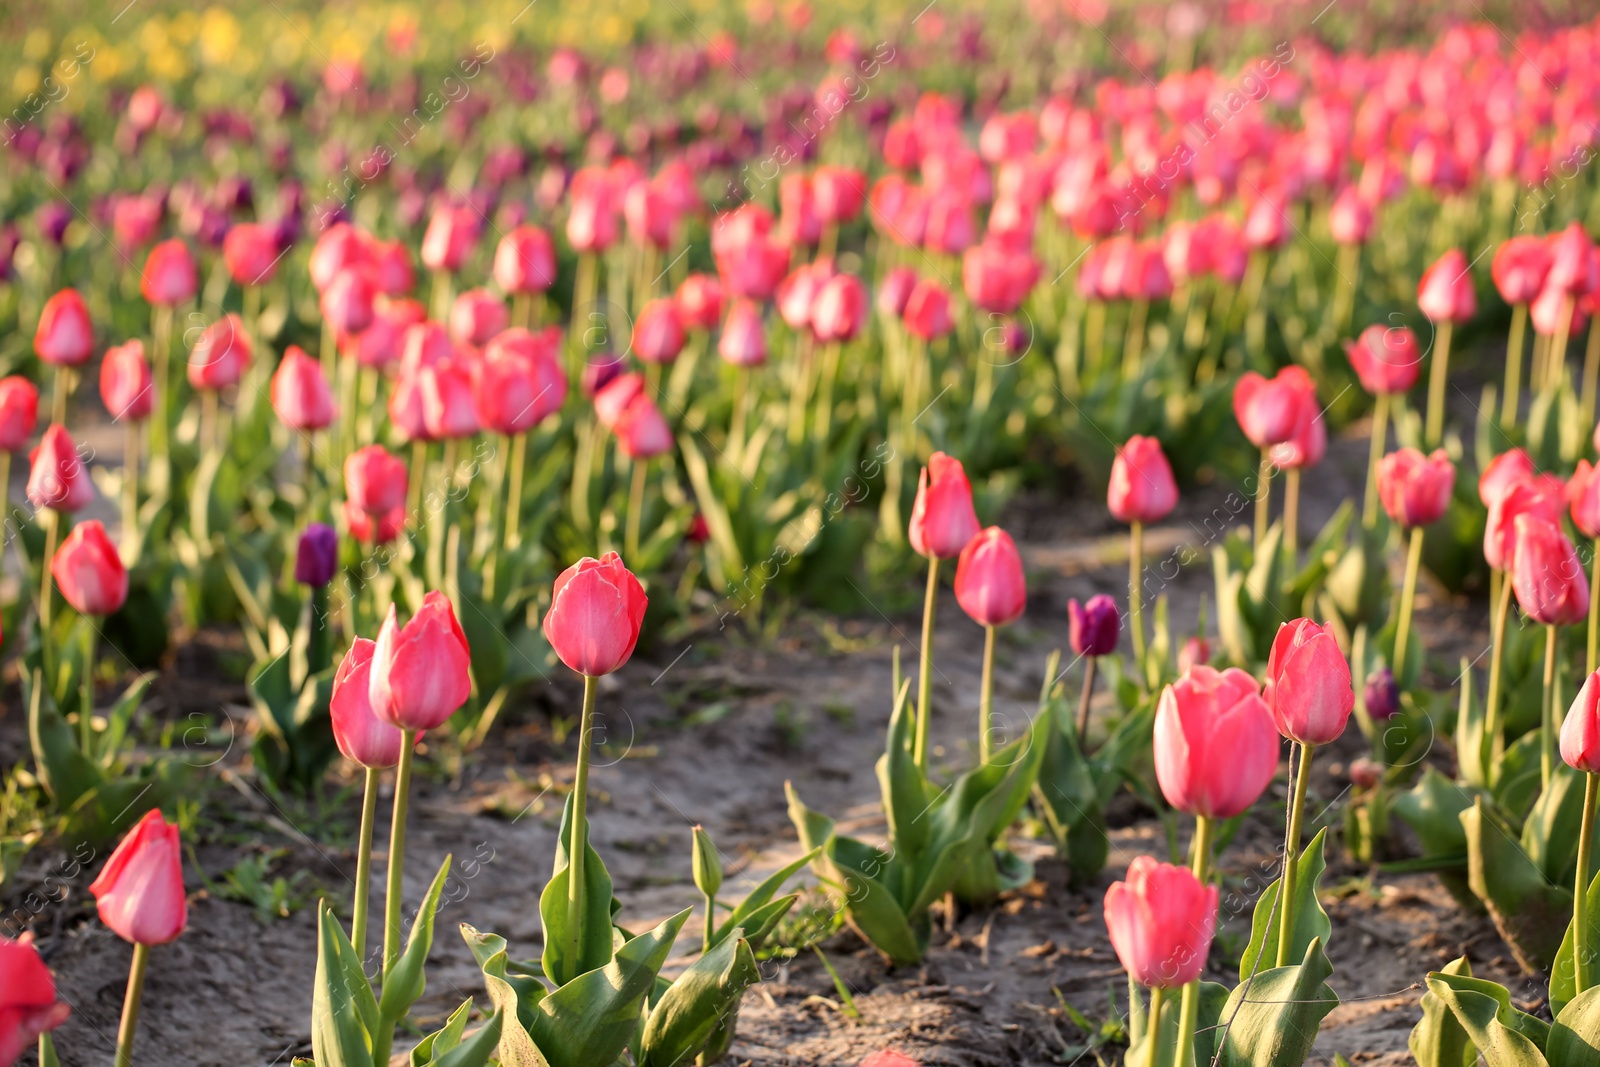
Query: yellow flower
x,y
219,36
26,80
37,44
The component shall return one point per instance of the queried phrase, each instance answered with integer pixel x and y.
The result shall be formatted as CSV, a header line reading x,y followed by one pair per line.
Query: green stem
x,y
1582,961
1291,853
1136,592
393,896
319,645
369,812
1380,434
1437,375
52,529
1497,640
636,489
130,1005
986,702
925,678
1189,1007
1547,731
1408,596
711,920
419,471
1508,405
130,490
1158,1001
1263,496
519,459
1291,516
86,689
579,829
1133,340
827,374
1083,703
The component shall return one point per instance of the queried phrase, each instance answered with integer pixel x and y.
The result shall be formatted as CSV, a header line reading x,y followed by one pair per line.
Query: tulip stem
x,y
1263,497
1436,379
1189,1007
1083,702
1508,405
419,469
5,506
1408,597
827,373
1380,435
1133,340
1291,853
369,812
130,1005
925,677
1158,1000
711,919
1497,636
130,490
519,460
86,689
580,802
52,527
161,357
1580,900
393,897
1291,515
1136,592
1594,609
636,489
1591,376
986,702
1547,732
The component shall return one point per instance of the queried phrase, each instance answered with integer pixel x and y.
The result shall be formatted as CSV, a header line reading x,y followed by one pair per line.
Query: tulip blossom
x,y
658,334
250,251
1216,748
1546,573
1161,920
65,337
125,384
1415,489
1519,267
525,261
894,290
389,267
452,232
649,214
316,555
169,277
1093,627
139,892
57,478
1543,496
220,356
449,407
421,671
642,431
798,291
596,610
942,518
1308,683
592,221
1269,409
380,344
347,302
1580,730
1503,472
362,737
476,316
89,572
28,1004
517,390
340,246
839,193
699,302
744,336
1350,217
19,412
301,396
1142,488
1447,297
1569,265
839,309
1386,359
375,494
989,582
927,311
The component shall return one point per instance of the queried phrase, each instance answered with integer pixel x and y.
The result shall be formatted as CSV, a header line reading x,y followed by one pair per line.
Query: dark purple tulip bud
x,y
234,193
318,555
1365,772
1093,627
9,239
52,218
1382,694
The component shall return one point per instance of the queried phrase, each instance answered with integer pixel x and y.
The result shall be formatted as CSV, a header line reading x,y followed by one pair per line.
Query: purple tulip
x,y
1382,694
318,555
1093,628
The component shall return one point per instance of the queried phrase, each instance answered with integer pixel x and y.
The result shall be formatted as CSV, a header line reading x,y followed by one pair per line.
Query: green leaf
x,y
1529,912
568,952
1432,808
443,1039
752,913
1502,1035
1439,1040
589,1021
905,789
702,1000
66,773
1069,800
1550,834
1272,1019
515,994
477,1050
1575,1037
343,1014
1563,972
1311,922
406,981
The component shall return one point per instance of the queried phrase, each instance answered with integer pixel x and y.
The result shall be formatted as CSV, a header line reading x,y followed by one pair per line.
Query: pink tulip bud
x,y
389,266
894,290
19,412
1387,359
251,253
1569,260
1269,409
421,673
89,572
476,316
649,214
169,277
1161,921
220,357
699,302
798,291
300,393
525,261
28,1004
596,609
642,431
449,408
800,224
1142,488
1547,575
1580,730
452,232
65,337
1542,495
57,478
744,336
1365,772
348,300
1415,489
1503,472
139,893
517,391
657,333
1308,683
840,309
1196,652
1216,748
362,737
375,480
1350,217
1445,293
381,343
840,193
1308,442
927,310
125,384
592,222
1519,268
340,247
942,518
1583,498
990,586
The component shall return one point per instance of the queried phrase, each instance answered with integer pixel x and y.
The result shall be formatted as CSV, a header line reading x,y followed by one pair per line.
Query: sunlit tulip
x,y
65,336
57,477
375,494
744,336
125,385
449,408
1583,499
1415,489
517,391
840,308
642,431
927,310
347,300
476,316
1445,293
28,1004
316,557
1542,496
798,291
451,235
389,266
1350,217
525,261
1093,628
839,193
1519,268
596,610
251,253
1386,359
340,247
1216,747
139,892
1269,409
649,214
381,343
421,671
658,334
699,302
799,223
169,276
1547,575
1504,471
301,396
362,737
89,572
942,518
1142,488
220,356
1161,920
1580,730
990,586
1308,683
1570,251
19,412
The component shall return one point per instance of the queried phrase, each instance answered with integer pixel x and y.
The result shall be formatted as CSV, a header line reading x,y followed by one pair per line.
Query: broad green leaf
x,y
1272,1019
1563,975
1069,800
762,921
443,1039
1311,922
65,772
343,1013
406,981
1550,834
477,1050
700,1001
568,951
1439,1040
1432,808
1575,1037
1503,1036
516,997
1529,912
589,1021
752,912
906,791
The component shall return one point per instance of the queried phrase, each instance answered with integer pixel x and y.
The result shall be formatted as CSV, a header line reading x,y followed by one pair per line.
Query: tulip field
x,y
778,533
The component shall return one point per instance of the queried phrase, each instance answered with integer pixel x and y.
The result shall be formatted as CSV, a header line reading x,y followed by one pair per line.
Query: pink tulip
x,y
1445,293
1504,471
251,253
28,1004
658,334
1580,730
1350,217
1583,499
1415,489
1387,359
927,310
1161,921
1547,575
1269,409
89,572
596,610
1543,496
389,266
1308,683
57,478
840,309
1570,252
744,335
301,396
990,586
798,291
476,316
1216,747
347,301
139,893
421,673
362,737
452,232
375,494
642,431
942,517
840,193
169,277
525,261
125,384
340,247
1142,488
894,290
1519,268
220,357
65,337
449,408
19,412
699,302
516,391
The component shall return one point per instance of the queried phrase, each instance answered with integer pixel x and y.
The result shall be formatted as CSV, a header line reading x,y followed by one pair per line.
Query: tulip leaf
x,y
344,1016
570,952
902,782
65,772
1519,777
1311,923
1550,834
1529,912
1069,800
756,913
1439,1040
702,1000
1502,1035
406,980
443,1039
1432,808
1575,1036
475,1051
516,995
1473,755
1271,1020
1563,973
590,1020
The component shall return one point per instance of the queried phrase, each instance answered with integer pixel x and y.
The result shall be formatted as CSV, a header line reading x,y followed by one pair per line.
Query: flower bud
x,y
707,863
89,572
317,555
1381,695
1308,683
1161,921
1093,628
990,586
596,610
942,518
139,893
